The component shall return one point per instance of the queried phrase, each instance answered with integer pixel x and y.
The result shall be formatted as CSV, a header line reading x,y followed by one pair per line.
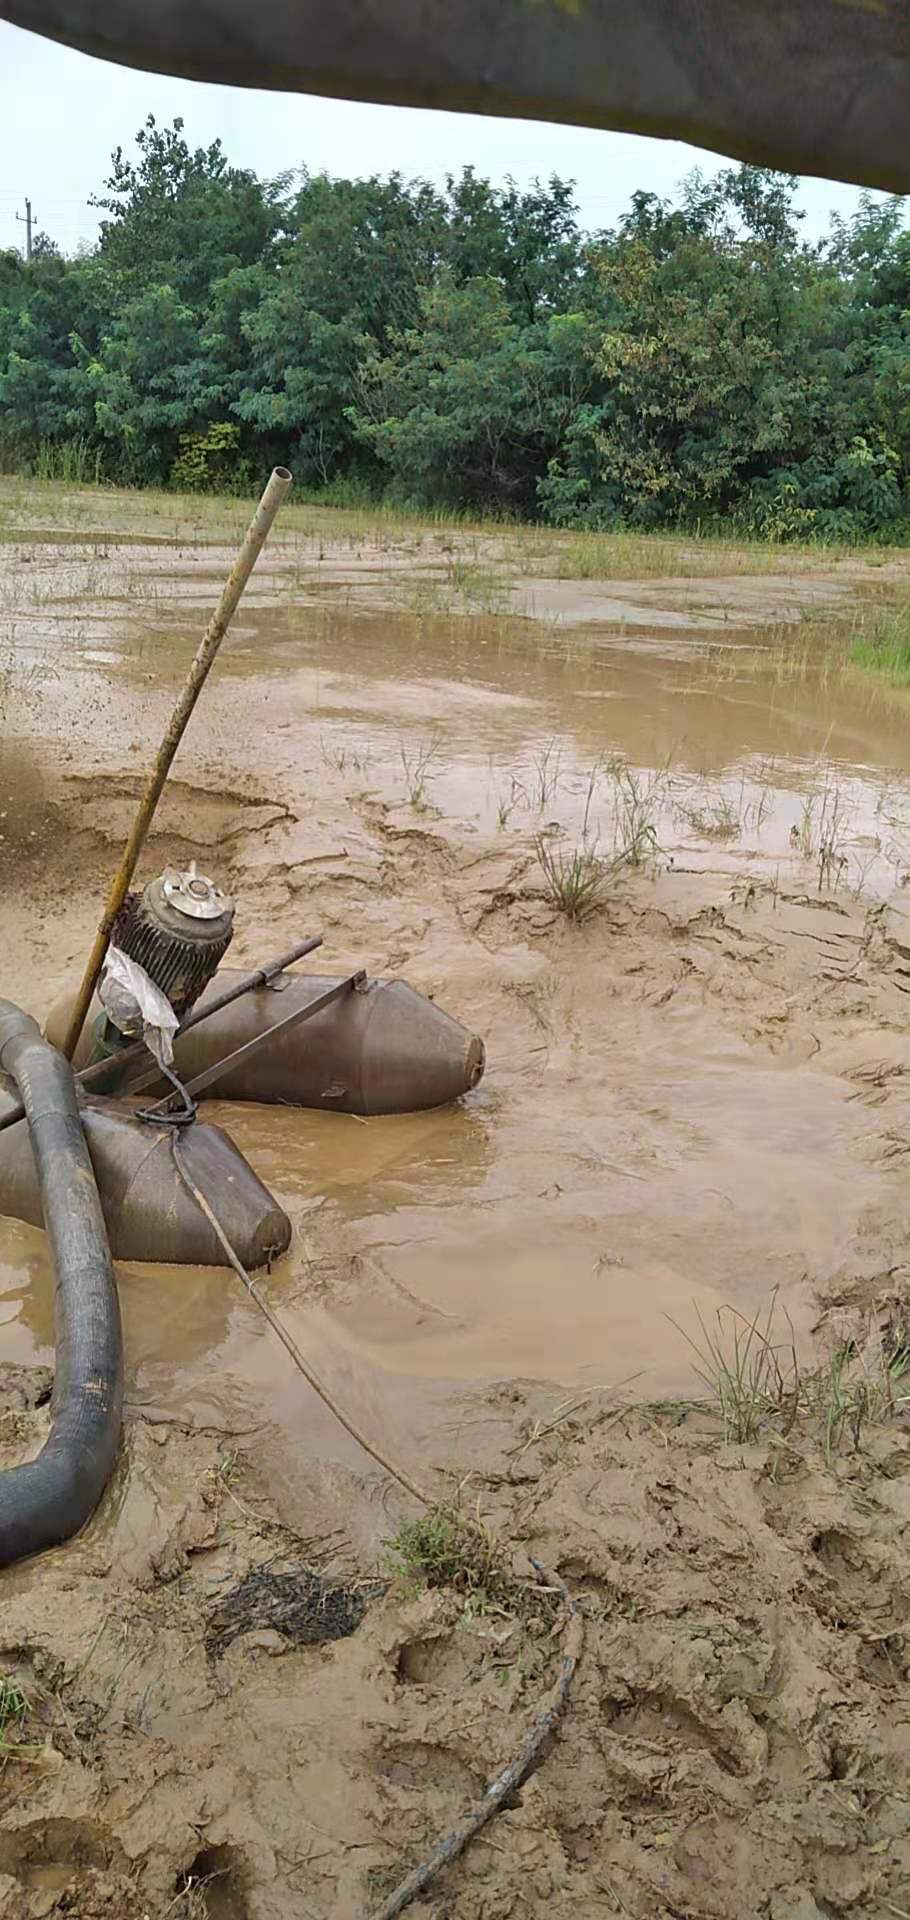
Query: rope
x,y
511,1776
290,1345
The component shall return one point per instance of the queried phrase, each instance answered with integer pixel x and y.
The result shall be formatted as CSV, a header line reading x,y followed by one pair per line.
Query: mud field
x,y
237,1707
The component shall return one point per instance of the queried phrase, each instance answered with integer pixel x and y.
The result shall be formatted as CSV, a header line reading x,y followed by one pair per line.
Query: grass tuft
x,y
744,1370
819,835
713,819
861,1388
447,1548
418,765
14,1712
881,644
637,799
758,1385
577,881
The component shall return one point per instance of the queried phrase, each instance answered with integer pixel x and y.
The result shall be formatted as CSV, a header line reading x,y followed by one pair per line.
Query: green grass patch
x,y
881,644
759,1387
577,880
15,1709
448,1548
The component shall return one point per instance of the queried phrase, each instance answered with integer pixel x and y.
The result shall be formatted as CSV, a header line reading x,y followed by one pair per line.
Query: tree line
x,y
472,348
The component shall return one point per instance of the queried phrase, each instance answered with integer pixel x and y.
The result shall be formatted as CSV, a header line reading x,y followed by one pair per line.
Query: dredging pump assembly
x,y
100,1140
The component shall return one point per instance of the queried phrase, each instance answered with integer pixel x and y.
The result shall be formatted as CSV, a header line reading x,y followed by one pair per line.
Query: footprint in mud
x,y
859,1583
44,1843
421,1764
440,1661
213,1887
661,1720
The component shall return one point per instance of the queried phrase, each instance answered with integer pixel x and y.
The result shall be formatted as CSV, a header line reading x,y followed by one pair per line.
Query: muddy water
x,y
655,1138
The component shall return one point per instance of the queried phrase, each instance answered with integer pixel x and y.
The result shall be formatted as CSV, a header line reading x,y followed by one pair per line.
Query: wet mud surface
x,y
695,1100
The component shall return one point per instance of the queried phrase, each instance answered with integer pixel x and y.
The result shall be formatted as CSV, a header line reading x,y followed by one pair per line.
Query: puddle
x,y
655,1137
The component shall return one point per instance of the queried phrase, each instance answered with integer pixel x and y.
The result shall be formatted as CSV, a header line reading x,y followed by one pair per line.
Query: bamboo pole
x,y
253,543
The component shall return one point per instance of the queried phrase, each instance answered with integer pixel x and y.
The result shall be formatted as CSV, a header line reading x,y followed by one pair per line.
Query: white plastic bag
x,y
136,1006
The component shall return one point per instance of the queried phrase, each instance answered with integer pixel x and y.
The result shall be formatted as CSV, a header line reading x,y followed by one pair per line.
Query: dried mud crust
x,y
737,1743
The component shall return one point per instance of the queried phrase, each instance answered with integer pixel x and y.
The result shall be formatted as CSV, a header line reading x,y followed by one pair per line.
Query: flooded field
x,y
419,743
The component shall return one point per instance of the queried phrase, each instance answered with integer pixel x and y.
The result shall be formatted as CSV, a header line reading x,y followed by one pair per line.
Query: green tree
x,y
699,363
359,257
182,218
469,406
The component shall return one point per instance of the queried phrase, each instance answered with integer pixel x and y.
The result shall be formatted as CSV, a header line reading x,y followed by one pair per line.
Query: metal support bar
x,y
262,977
217,1071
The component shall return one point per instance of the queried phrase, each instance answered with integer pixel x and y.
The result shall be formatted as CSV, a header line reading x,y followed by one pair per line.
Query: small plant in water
x,y
713,819
818,835
637,798
517,796
418,763
547,764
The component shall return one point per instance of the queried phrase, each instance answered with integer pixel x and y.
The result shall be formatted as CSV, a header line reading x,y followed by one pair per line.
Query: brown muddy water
x,y
674,1117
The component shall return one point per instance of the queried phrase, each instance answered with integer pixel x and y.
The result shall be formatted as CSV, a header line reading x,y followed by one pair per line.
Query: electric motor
x,y
179,929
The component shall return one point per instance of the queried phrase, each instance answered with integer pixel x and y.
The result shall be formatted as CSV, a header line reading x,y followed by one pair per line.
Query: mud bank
x,y
736,1743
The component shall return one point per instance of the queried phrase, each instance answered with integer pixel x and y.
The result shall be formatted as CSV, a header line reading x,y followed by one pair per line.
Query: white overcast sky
x,y
61,114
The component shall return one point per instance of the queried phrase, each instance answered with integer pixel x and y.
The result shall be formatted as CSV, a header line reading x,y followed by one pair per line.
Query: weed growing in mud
x,y
714,819
547,766
578,881
478,588
418,763
448,1548
342,759
637,798
14,1712
507,803
758,1385
621,555
818,836
465,588
725,817
860,1389
741,1366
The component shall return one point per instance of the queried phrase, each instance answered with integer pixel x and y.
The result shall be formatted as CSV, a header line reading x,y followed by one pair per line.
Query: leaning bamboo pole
x,y
254,540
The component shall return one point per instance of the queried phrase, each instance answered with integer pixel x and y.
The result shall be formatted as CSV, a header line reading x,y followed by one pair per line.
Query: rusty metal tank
x,y
385,1049
148,1211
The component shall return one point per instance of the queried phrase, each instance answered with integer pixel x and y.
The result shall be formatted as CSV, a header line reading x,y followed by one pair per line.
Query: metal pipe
x,y
251,983
47,1499
254,540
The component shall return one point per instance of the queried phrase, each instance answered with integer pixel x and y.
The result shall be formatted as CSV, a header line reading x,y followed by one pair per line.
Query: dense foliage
x,y
472,348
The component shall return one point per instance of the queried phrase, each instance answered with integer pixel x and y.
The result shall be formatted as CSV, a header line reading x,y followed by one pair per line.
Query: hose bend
x,y
48,1499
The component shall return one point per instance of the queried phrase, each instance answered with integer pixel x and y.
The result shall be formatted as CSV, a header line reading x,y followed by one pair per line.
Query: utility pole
x,y
26,220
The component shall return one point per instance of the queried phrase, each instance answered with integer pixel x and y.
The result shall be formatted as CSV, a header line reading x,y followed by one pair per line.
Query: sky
x,y
63,114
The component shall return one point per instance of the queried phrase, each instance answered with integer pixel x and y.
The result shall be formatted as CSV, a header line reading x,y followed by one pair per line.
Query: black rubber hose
x,y
48,1499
